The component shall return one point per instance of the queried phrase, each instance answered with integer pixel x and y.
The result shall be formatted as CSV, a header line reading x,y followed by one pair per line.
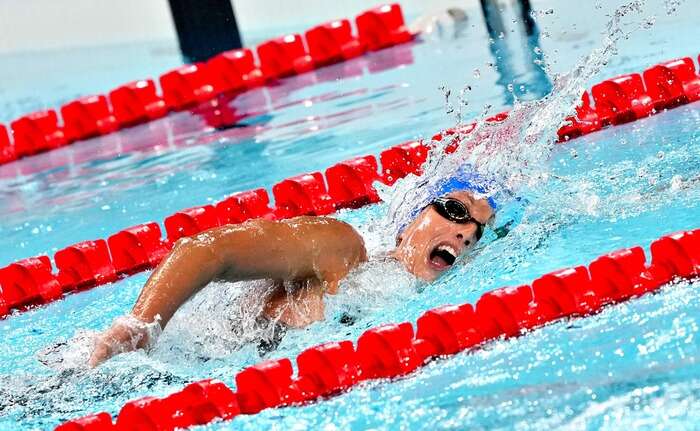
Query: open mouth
x,y
443,256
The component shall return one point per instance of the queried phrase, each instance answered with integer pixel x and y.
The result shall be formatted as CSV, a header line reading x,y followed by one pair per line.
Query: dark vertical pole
x,y
515,74
205,27
526,16
493,18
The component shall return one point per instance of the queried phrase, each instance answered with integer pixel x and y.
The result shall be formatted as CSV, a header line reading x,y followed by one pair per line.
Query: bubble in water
x,y
676,183
660,155
537,50
477,73
672,6
649,22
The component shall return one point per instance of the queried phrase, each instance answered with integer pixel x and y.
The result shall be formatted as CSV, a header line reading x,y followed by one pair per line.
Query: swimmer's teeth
x,y
448,249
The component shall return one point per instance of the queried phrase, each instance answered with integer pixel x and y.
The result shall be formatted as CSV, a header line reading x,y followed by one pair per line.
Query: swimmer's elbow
x,y
358,246
351,242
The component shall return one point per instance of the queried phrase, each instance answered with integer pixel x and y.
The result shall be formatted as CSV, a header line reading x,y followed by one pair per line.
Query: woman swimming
x,y
312,253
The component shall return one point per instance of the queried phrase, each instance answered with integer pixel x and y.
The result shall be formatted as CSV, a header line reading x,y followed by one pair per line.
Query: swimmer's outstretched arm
x,y
303,248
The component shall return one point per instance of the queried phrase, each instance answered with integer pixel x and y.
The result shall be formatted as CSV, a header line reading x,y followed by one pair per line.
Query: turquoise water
x,y
632,365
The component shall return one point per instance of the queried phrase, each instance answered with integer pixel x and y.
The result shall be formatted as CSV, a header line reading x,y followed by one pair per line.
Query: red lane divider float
x,y
333,42
302,195
37,132
190,222
284,56
88,117
84,264
672,83
7,150
395,350
137,102
243,206
382,27
234,71
187,86
348,184
28,282
137,248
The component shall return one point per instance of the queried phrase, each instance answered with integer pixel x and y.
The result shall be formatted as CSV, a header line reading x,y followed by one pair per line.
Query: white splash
x,y
512,154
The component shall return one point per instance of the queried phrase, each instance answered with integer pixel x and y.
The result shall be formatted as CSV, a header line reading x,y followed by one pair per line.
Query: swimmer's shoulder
x,y
333,235
339,236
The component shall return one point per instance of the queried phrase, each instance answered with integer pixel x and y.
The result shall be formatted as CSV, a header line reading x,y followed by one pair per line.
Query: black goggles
x,y
455,211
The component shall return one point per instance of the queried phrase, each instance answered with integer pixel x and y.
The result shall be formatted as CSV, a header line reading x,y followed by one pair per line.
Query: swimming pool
x,y
630,365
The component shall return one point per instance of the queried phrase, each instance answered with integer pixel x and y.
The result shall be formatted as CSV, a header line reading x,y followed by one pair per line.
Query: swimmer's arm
x,y
297,249
303,248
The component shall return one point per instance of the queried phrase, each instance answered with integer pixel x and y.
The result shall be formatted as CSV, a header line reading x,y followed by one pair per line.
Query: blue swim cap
x,y
508,208
463,180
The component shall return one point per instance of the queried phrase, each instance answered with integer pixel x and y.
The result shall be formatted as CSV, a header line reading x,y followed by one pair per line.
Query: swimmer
x,y
314,253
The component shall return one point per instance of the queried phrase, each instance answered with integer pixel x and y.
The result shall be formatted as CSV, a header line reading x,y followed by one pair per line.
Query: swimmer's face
x,y
431,243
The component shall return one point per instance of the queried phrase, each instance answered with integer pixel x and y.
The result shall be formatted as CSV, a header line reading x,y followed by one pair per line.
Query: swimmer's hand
x,y
125,335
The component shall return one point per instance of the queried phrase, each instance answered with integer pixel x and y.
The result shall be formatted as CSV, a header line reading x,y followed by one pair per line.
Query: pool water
x,y
632,365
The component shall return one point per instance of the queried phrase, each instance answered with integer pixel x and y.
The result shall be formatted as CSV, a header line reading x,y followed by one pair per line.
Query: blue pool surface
x,y
633,365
